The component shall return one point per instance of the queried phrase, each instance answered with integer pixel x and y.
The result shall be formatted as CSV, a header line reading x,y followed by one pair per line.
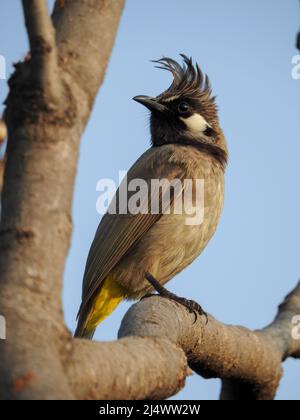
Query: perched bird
x,y
134,254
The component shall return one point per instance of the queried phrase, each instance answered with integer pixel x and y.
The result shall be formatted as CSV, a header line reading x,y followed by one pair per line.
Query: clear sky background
x,y
246,47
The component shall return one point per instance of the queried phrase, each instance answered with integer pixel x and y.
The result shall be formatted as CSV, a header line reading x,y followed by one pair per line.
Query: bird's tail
x,y
84,332
105,302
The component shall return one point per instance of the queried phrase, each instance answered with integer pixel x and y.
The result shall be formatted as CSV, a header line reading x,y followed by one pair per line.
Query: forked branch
x,y
41,33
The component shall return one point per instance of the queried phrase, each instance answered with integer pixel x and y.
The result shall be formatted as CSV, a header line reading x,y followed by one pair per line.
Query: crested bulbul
x,y
133,254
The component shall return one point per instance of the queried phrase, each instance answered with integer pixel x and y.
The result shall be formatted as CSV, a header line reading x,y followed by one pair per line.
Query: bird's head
x,y
186,113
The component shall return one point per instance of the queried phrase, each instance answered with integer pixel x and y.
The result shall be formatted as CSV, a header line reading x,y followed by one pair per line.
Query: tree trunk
x,y
50,100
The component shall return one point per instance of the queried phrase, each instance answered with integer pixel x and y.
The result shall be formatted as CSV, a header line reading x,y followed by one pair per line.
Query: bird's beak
x,y
150,103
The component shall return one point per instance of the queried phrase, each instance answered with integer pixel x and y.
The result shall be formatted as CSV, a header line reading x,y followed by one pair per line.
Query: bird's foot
x,y
191,305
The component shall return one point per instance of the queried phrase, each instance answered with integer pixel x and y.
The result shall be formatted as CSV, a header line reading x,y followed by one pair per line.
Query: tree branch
x,y
86,61
131,369
280,338
244,359
42,153
41,33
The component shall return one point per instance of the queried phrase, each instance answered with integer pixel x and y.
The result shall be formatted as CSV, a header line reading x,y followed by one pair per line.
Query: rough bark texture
x,y
44,134
131,368
50,100
157,339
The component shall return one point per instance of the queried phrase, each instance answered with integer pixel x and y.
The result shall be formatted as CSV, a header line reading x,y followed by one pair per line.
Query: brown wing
x,y
117,233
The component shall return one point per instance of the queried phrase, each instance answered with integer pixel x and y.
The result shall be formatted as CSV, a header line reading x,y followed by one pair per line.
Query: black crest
x,y
188,79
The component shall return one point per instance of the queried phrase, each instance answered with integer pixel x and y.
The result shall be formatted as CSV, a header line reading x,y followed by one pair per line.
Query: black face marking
x,y
188,95
183,108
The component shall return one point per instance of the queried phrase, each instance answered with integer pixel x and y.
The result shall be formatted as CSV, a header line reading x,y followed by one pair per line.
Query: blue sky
x,y
246,48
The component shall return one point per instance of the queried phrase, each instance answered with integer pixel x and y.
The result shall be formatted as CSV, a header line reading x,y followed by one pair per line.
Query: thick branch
x,y
40,170
41,33
234,354
279,335
132,368
97,20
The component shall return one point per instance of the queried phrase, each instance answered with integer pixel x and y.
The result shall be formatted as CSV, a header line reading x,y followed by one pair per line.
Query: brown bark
x,y
50,100
43,49
44,135
148,360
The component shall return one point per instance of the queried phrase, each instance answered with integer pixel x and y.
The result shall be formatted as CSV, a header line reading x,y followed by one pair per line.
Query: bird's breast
x,y
175,240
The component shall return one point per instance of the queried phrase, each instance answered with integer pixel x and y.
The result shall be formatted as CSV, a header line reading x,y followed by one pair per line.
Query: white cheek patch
x,y
195,123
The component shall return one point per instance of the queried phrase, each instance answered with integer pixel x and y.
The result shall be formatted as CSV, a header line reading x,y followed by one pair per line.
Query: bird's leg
x,y
191,305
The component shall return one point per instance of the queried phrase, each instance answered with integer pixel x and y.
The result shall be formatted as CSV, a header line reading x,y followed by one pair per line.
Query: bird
x,y
133,256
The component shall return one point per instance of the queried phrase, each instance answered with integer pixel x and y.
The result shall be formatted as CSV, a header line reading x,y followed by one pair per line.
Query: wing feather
x,y
118,233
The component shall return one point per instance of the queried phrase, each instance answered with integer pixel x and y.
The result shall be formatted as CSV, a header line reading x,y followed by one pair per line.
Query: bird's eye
x,y
183,107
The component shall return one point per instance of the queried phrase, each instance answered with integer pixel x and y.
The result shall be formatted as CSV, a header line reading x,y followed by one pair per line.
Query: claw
x,y
196,317
190,305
